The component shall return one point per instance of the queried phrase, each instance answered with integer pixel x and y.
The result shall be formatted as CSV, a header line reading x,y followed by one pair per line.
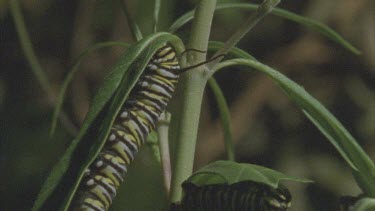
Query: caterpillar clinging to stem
x,y
136,119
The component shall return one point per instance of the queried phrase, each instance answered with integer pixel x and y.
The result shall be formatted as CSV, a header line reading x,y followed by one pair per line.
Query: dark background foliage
x,y
268,129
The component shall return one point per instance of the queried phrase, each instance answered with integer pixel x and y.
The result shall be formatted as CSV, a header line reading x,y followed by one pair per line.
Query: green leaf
x,y
152,138
365,204
59,188
361,164
153,144
224,117
228,172
69,78
309,23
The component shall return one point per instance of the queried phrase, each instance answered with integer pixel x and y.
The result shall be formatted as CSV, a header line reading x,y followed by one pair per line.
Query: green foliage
x,y
99,119
307,22
153,143
28,48
69,78
64,179
228,172
362,166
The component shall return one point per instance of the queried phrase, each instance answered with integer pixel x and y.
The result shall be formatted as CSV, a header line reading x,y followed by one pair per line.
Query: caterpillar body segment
x,y
244,196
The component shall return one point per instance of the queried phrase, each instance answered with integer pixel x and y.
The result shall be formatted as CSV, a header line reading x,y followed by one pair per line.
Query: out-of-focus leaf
x,y
309,23
69,78
59,188
28,49
153,143
228,172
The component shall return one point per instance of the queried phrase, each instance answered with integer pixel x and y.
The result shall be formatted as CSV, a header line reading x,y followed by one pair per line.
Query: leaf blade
x,y
309,23
228,172
74,69
361,164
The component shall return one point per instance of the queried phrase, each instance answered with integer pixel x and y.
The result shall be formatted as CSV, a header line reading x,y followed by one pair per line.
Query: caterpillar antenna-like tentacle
x,y
201,63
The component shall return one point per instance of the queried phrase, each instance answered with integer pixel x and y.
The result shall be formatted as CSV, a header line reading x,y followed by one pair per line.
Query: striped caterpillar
x,y
247,195
136,119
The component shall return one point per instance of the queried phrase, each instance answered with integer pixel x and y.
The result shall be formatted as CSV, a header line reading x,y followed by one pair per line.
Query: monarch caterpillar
x,y
136,119
247,195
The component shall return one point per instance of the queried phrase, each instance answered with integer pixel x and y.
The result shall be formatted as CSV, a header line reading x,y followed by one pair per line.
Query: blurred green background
x,y
268,129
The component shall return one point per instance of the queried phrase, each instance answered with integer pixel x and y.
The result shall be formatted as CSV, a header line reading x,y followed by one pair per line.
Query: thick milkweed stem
x,y
190,93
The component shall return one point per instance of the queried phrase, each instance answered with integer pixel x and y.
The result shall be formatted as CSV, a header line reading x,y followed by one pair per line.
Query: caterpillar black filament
x,y
137,118
244,196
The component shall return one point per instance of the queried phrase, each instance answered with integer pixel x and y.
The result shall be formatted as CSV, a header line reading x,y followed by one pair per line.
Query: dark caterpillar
x,y
242,196
137,118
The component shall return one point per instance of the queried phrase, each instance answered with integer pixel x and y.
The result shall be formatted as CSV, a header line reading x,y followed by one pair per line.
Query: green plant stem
x,y
191,88
264,9
36,68
188,117
163,129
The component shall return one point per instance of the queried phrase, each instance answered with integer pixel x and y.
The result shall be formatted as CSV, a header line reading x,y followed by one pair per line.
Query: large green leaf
x,y
361,164
228,172
59,188
309,23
